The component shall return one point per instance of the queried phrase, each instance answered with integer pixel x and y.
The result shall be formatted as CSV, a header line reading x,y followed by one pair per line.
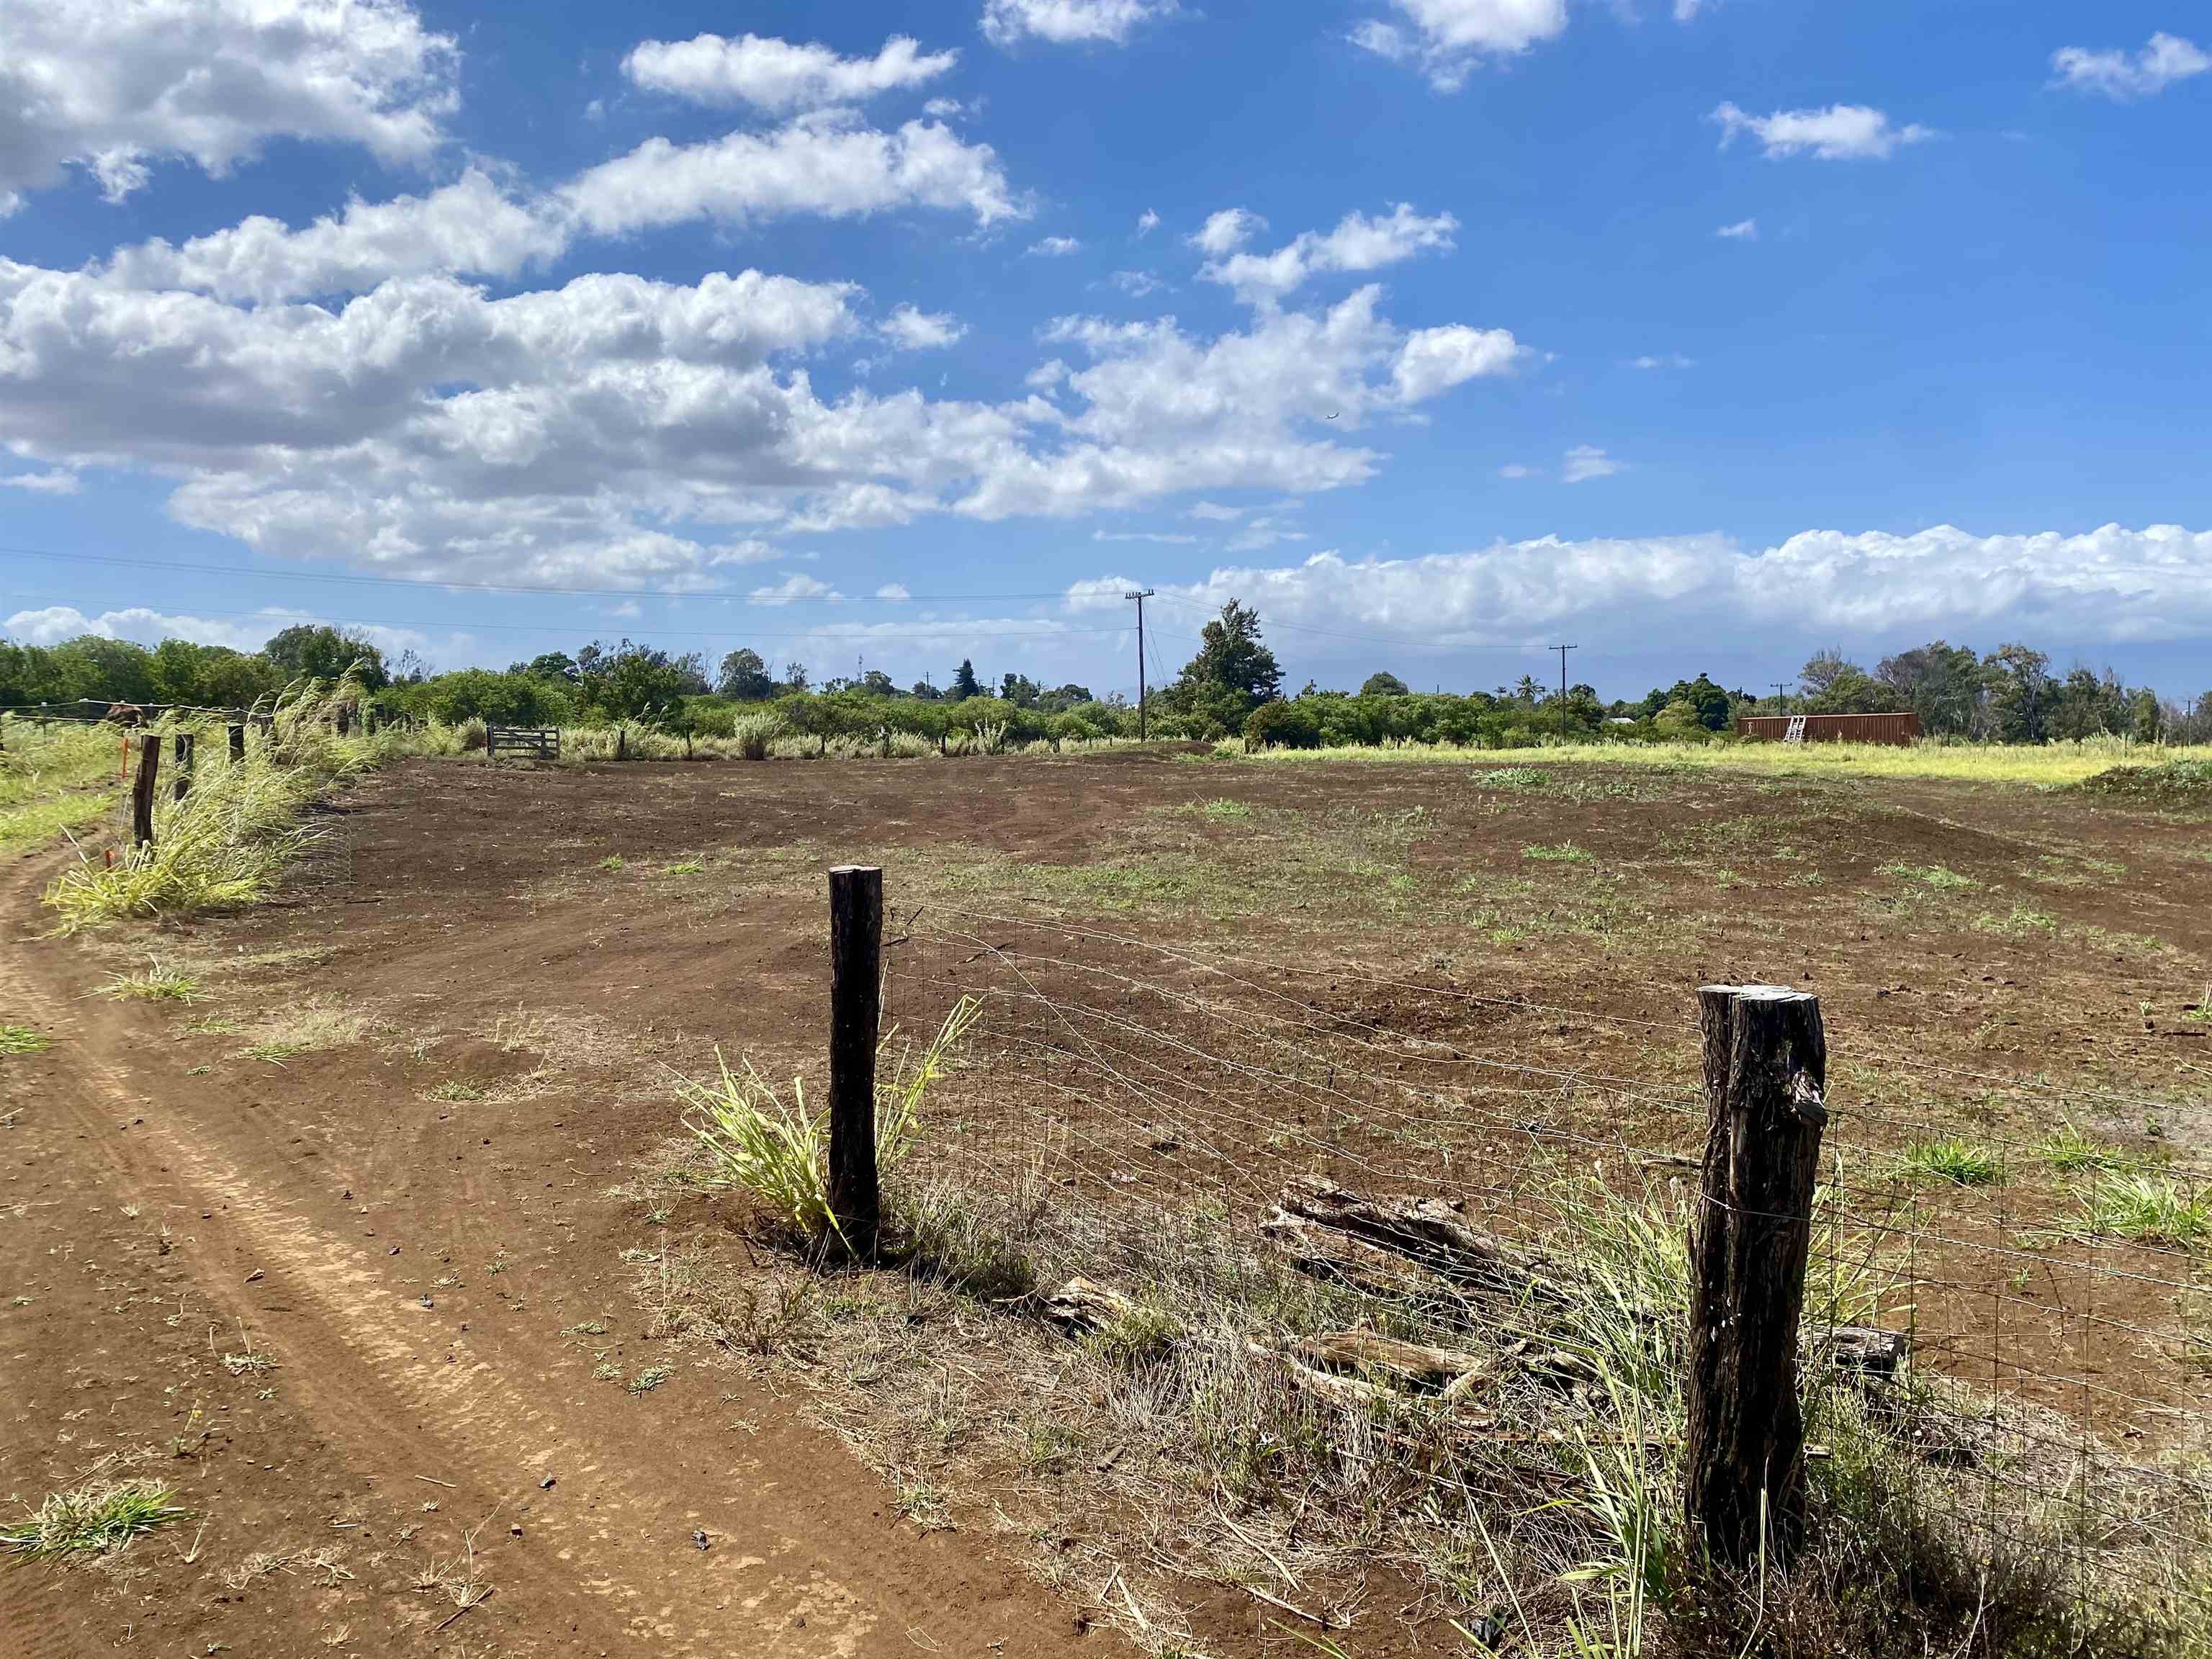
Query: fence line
x,y
1159,1088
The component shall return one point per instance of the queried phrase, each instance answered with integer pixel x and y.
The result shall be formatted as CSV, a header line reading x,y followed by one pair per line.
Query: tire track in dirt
x,y
608,1563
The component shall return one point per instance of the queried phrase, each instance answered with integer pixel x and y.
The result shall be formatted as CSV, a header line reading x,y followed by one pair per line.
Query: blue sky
x,y
1700,332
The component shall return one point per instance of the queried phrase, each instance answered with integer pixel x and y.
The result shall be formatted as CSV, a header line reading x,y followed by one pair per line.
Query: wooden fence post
x,y
856,933
237,743
345,719
184,756
1765,1066
141,789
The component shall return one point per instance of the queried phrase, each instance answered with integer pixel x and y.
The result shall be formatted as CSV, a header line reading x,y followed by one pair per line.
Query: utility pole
x,y
1781,694
1140,595
1563,650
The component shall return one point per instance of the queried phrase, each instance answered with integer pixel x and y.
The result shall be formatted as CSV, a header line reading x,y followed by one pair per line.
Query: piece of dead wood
x,y
1862,1348
1375,1355
1336,1258
1430,1232
1423,1250
1081,1307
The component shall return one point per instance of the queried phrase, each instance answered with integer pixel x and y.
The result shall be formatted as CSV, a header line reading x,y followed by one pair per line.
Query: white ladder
x,y
1796,732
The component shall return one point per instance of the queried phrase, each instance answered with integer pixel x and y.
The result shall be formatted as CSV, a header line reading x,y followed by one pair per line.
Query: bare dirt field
x,y
385,1254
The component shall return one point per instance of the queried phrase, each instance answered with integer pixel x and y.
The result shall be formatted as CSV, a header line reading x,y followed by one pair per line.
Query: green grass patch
x,y
39,821
778,1148
1929,875
685,867
2069,1151
153,983
21,1040
2025,919
1518,779
1962,1163
1565,853
91,1520
612,862
2148,1209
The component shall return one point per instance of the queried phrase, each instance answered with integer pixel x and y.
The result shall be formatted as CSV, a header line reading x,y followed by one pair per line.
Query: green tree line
x,y
1232,686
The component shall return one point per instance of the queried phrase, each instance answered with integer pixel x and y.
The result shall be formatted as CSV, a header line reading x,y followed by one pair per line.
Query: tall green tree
x,y
1830,683
317,651
1942,684
2020,694
114,671
640,683
964,682
1232,656
1383,684
744,676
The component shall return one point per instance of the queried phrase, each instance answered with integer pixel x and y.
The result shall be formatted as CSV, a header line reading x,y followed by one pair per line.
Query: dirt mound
x,y
2171,783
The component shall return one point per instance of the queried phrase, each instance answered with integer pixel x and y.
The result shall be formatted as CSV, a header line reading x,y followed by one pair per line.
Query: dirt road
x,y
358,1330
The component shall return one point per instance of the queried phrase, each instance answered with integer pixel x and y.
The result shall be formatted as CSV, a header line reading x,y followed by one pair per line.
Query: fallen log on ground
x,y
1423,1252
1430,1233
1083,1308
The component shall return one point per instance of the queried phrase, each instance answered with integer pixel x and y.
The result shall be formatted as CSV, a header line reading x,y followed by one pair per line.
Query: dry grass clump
x,y
311,1028
1193,1437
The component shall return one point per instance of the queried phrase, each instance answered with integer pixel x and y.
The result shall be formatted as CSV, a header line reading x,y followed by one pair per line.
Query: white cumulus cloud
x,y
1226,231
1068,22
921,331
116,85
55,624
1435,360
1743,230
2112,584
828,165
1586,461
1841,132
468,225
57,481
1359,243
1448,36
2166,59
1055,247
780,74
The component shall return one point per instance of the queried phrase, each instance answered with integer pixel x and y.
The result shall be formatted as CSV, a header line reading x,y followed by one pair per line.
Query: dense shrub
x,y
1284,724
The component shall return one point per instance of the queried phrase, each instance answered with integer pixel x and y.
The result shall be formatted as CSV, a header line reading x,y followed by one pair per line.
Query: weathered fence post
x,y
1765,1066
237,743
345,719
184,756
141,789
856,934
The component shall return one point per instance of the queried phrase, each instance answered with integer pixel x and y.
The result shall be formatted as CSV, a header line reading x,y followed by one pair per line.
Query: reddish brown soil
x,y
410,1266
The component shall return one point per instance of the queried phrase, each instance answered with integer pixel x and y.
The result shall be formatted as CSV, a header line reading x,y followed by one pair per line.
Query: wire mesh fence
x,y
1423,1204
